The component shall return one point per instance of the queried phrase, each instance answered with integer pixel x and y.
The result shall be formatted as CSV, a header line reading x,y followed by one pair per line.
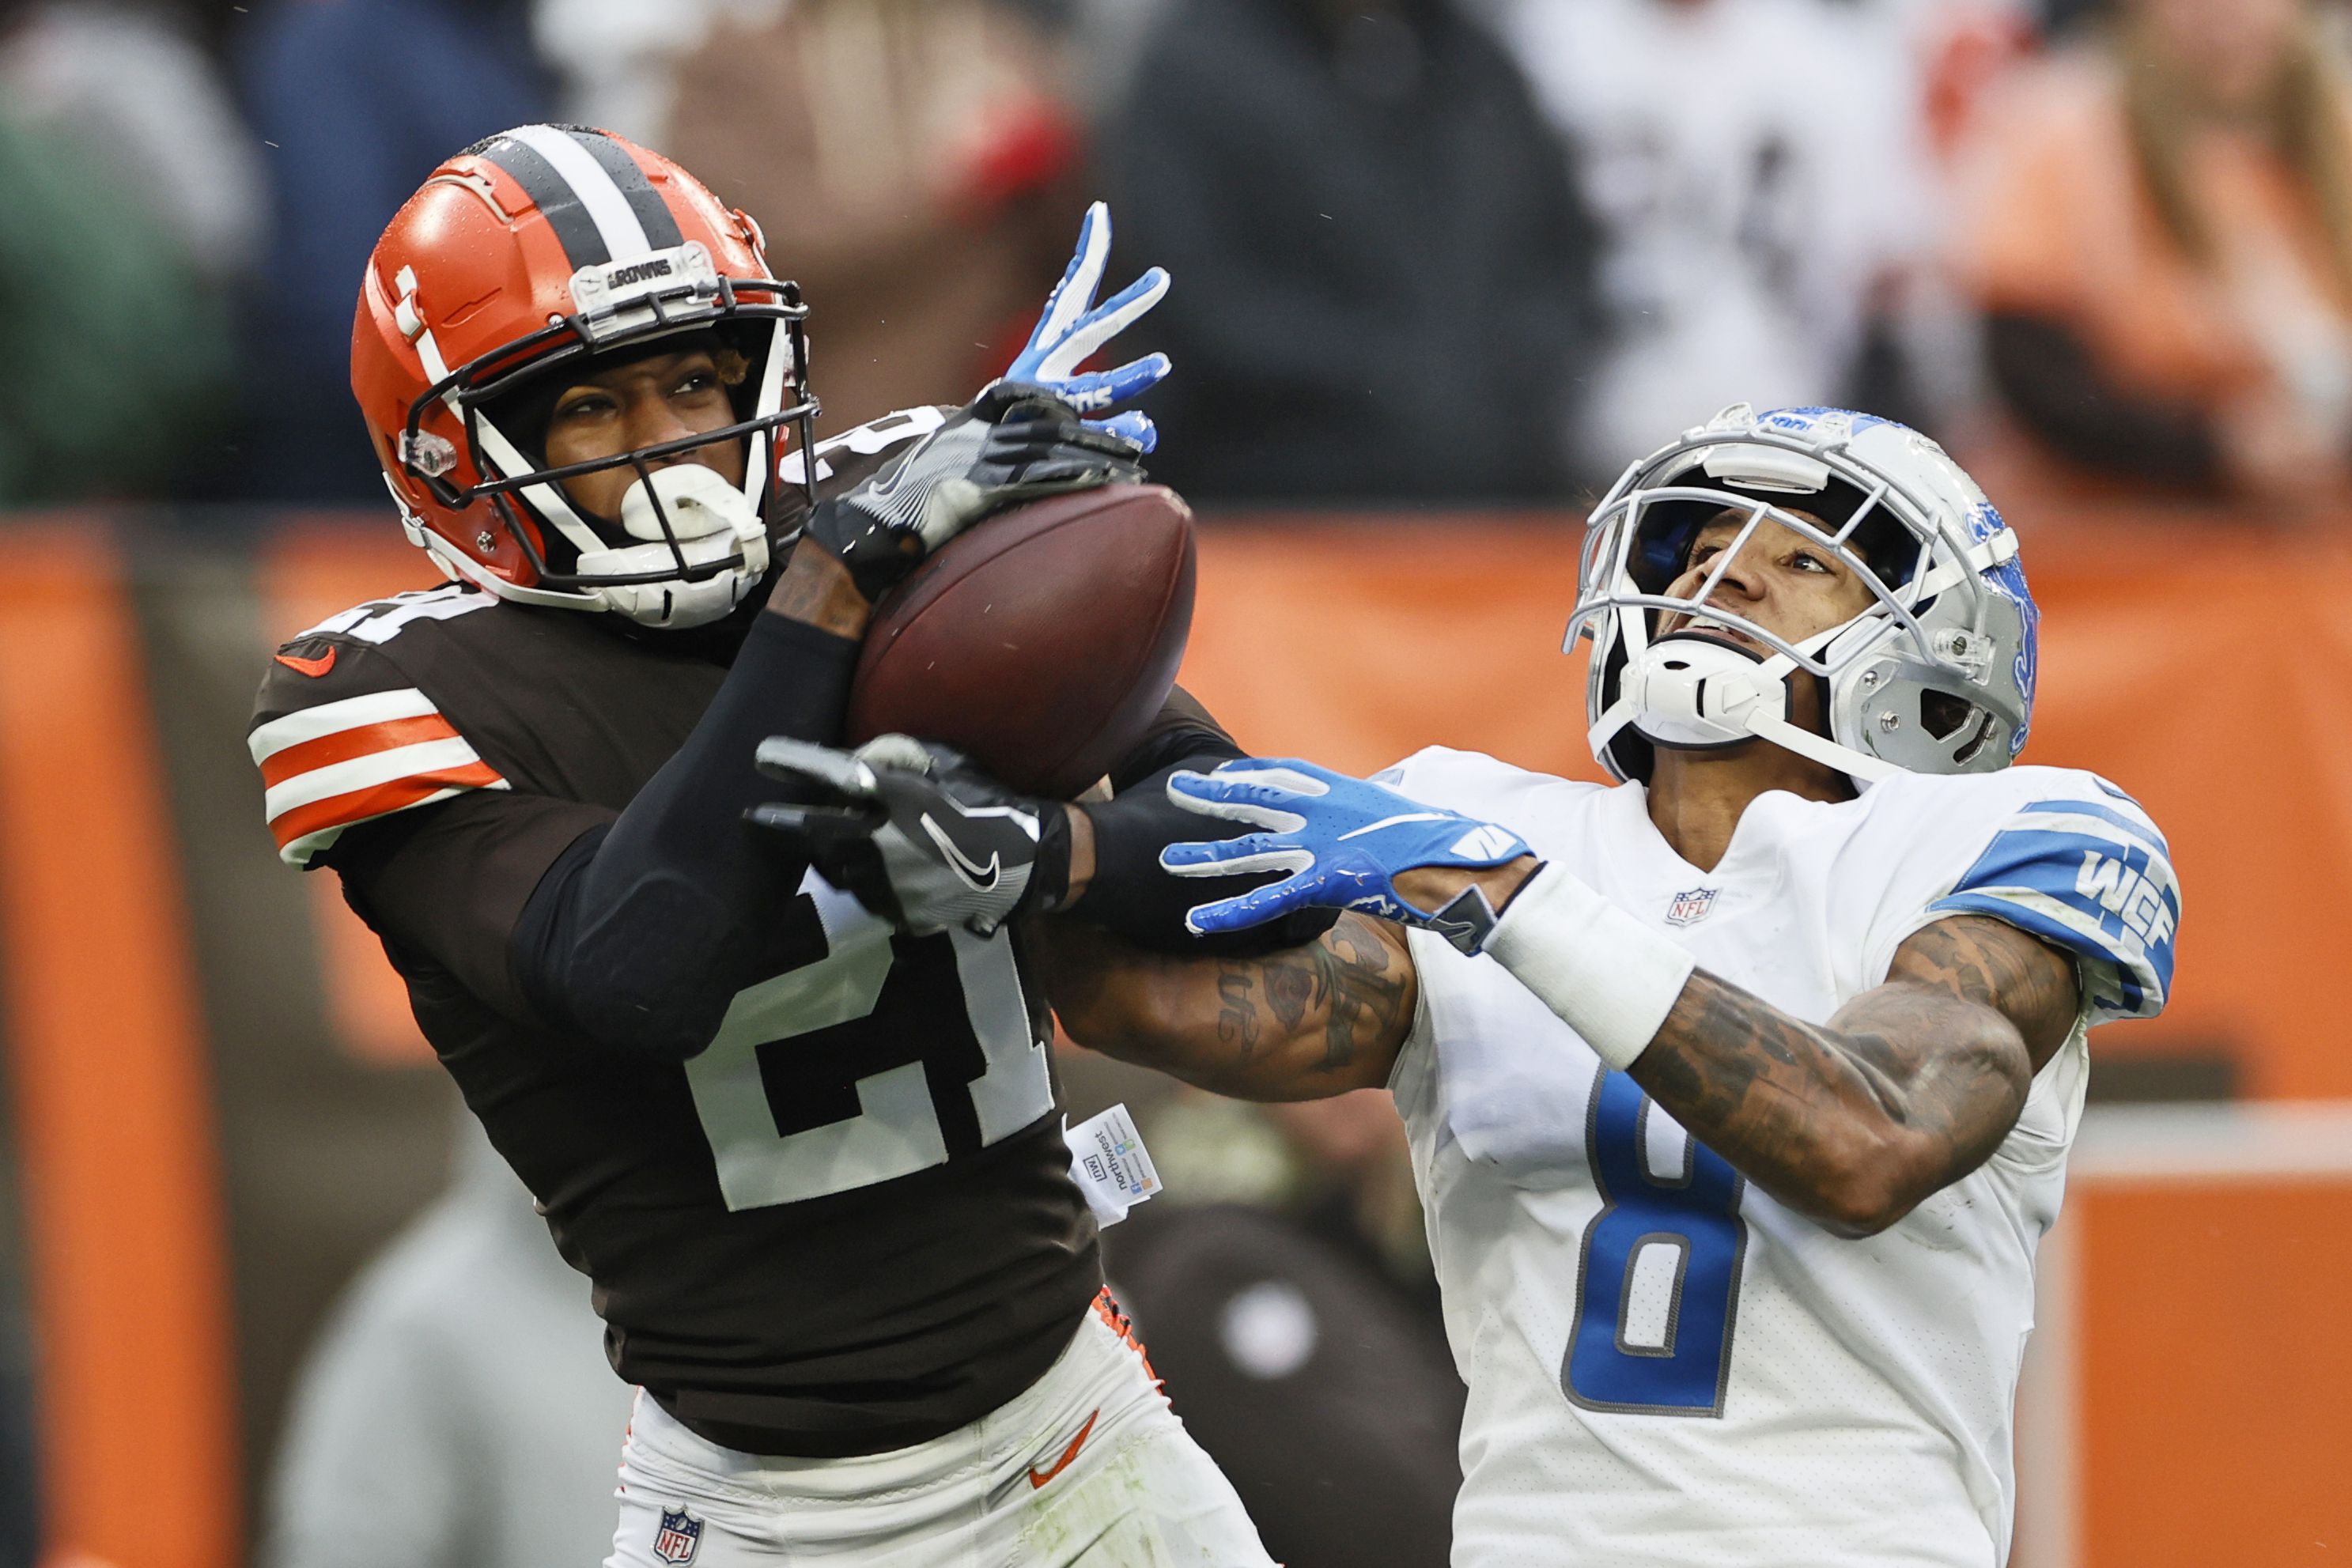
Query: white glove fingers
x,y
1245,856
797,762
1210,796
1263,817
1270,779
1090,391
1107,322
1132,379
1238,914
903,752
1075,292
1133,427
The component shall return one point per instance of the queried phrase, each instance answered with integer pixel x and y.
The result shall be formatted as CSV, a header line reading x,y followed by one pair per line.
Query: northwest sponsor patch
x,y
1111,1165
680,1537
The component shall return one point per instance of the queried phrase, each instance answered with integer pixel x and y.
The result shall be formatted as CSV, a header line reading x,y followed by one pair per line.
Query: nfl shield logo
x,y
679,1538
1690,908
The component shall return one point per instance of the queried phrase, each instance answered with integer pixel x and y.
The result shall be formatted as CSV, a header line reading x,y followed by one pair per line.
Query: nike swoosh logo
x,y
1392,821
318,666
1037,1479
978,877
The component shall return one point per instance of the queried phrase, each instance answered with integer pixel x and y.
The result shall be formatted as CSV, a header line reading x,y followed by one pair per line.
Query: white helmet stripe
x,y
600,194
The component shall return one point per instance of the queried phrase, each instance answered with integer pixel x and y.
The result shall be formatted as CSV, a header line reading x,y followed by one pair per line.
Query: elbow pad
x,y
634,976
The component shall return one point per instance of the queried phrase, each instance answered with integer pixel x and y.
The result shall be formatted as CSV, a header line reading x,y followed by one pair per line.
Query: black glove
x,y
1013,442
914,834
924,840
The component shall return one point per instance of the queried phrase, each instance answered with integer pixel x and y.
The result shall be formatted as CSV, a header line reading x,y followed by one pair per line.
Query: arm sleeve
x,y
2091,875
639,936
449,883
1184,733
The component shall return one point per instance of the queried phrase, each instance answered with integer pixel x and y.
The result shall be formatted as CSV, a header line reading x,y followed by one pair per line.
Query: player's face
x,y
1780,580
636,405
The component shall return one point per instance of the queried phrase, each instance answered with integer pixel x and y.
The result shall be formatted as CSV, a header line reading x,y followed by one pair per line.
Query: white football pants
x,y
1088,1468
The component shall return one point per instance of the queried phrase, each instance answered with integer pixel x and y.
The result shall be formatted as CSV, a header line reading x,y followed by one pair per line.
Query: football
x,y
1042,642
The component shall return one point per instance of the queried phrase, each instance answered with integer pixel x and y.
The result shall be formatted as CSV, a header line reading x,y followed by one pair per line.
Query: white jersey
x,y
1666,1366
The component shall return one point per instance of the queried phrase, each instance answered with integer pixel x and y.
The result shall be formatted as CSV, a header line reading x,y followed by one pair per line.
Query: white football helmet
x,y
1936,676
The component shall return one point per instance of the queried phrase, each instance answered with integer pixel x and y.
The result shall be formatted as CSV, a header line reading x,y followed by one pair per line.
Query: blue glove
x,y
1073,327
1342,842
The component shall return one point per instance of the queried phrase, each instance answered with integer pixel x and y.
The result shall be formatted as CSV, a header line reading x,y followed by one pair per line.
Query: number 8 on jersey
x,y
1659,1278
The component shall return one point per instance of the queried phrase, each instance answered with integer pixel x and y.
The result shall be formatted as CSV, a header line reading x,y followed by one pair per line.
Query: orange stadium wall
x,y
193,1033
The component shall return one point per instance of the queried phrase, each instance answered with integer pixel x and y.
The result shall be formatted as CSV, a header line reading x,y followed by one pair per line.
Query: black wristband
x,y
1049,873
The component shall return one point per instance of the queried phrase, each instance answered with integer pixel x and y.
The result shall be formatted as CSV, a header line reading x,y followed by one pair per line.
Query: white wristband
x,y
1610,977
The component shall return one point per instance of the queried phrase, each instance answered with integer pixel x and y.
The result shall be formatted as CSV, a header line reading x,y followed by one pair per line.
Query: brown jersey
x,y
845,1227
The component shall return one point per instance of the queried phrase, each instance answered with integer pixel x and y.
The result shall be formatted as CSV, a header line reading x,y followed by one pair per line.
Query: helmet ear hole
x,y
1942,715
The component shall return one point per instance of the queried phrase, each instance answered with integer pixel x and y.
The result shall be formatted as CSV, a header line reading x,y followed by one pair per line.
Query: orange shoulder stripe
x,y
359,805
344,744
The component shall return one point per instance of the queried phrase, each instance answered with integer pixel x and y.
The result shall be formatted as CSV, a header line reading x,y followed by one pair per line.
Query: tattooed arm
x,y
1299,1024
1907,1088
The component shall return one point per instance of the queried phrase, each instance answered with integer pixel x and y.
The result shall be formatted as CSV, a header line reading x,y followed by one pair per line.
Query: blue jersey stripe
x,y
2108,898
2062,934
2138,826
2074,868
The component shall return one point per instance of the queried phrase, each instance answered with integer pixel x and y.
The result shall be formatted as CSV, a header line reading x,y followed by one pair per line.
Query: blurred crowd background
x,y
1426,251
1442,254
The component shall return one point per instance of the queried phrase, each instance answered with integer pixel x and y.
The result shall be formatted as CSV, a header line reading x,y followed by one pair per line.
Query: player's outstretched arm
x,y
1299,1024
1908,1088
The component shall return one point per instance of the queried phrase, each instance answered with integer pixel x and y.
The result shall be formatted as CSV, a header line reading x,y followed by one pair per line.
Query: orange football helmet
x,y
539,248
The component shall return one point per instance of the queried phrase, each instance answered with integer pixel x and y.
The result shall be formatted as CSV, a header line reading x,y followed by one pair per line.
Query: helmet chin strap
x,y
1690,692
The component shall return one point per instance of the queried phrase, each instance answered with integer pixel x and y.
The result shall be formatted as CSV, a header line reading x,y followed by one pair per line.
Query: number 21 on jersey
x,y
1658,1283
822,1080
